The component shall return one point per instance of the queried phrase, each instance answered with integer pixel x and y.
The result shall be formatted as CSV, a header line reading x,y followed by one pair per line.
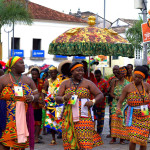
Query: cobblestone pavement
x,y
105,146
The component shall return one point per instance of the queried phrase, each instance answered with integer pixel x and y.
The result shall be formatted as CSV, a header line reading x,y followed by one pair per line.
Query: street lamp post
x,y
104,27
8,31
144,12
142,5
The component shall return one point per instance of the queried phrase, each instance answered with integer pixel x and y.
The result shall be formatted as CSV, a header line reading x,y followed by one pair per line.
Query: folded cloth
x,y
3,115
30,124
21,124
75,111
84,109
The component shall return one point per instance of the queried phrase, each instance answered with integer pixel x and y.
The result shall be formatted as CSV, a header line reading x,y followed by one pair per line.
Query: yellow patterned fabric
x,y
79,134
139,130
11,62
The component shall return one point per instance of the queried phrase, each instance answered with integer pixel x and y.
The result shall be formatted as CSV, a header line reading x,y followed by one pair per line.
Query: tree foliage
x,y
134,35
14,11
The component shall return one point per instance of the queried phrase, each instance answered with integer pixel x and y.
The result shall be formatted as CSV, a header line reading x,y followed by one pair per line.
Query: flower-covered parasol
x,y
91,41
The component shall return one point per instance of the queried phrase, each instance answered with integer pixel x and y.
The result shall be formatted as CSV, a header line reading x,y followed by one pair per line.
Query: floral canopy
x,y
91,41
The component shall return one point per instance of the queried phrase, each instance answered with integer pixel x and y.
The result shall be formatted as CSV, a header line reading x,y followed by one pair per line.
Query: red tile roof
x,y
44,13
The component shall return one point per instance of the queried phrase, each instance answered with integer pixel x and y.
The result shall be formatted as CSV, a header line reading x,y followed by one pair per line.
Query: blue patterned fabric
x,y
3,115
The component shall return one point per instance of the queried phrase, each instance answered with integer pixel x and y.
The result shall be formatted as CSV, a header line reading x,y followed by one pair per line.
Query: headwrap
x,y
76,66
123,71
141,73
11,62
53,68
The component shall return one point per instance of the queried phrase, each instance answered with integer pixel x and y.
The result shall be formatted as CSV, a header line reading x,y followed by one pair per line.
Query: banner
x,y
104,61
145,33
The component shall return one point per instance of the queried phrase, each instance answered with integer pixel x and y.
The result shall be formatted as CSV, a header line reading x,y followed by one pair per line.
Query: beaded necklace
x,y
76,85
17,81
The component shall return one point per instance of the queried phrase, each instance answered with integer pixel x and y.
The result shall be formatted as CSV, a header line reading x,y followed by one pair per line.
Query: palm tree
x,y
12,12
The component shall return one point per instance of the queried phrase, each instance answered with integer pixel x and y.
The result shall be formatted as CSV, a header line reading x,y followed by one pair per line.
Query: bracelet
x,y
63,99
36,90
43,91
32,97
93,100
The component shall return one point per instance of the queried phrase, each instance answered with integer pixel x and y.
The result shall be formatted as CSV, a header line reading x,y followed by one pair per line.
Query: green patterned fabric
x,y
69,127
91,49
117,92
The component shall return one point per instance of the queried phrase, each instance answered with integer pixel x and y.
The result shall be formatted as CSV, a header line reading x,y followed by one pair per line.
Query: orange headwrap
x,y
141,73
76,66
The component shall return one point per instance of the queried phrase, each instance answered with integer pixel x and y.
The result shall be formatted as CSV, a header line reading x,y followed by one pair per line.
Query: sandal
x,y
40,137
39,142
108,136
53,142
112,141
122,142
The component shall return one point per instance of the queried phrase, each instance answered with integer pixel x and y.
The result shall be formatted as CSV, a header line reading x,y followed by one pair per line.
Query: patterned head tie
x,y
52,68
75,65
123,71
11,62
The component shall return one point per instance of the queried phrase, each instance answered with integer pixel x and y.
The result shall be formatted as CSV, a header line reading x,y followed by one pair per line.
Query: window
x,y
138,54
114,57
36,44
16,43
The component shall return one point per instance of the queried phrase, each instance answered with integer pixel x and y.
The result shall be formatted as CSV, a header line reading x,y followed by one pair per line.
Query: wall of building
x,y
47,31
121,61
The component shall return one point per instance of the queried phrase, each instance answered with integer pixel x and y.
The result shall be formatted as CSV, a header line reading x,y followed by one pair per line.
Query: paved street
x,y
105,146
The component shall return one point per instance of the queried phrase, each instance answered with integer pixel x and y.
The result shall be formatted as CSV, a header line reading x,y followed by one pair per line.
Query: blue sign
x,y
17,52
79,57
38,53
61,56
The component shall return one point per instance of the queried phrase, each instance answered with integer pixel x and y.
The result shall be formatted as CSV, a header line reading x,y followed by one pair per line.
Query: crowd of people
x,y
68,102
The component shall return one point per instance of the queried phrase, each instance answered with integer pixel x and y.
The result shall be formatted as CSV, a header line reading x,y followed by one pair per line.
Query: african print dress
x,y
118,130
36,105
81,134
139,130
53,118
9,135
99,109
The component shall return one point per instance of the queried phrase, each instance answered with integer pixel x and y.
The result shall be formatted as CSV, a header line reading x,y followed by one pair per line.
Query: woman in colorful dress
x,y
50,90
137,115
118,130
78,130
17,91
37,106
99,109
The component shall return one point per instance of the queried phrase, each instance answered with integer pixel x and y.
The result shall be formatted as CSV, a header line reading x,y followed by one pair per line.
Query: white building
x,y
47,25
